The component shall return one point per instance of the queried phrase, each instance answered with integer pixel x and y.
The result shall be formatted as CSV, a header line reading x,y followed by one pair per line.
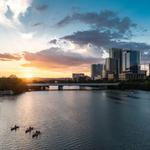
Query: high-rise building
x,y
131,61
111,66
131,66
96,70
116,54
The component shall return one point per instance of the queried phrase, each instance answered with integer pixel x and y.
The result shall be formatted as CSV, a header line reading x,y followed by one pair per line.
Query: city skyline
x,y
54,39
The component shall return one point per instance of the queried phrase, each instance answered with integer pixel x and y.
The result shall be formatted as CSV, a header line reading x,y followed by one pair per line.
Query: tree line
x,y
13,83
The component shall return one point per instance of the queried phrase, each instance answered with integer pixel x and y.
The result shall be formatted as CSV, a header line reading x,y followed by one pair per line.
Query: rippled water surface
x,y
77,120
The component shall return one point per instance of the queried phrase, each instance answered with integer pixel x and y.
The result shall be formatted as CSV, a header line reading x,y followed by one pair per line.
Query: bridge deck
x,y
72,84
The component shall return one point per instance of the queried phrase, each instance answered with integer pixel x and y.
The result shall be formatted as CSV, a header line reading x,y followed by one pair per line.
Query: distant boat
x,y
15,128
29,129
36,134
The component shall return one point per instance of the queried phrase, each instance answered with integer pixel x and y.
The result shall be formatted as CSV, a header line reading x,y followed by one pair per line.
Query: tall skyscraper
x,y
116,54
96,70
131,61
111,66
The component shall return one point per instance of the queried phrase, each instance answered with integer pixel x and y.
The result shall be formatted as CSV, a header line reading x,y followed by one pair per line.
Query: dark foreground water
x,y
77,120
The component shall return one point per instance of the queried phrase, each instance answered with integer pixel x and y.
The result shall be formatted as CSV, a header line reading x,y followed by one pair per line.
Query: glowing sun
x,y
28,76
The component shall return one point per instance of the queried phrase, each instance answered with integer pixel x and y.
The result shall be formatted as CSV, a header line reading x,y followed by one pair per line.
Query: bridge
x,y
44,86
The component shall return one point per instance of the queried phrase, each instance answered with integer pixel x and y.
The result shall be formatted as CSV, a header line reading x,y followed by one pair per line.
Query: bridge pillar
x,y
60,87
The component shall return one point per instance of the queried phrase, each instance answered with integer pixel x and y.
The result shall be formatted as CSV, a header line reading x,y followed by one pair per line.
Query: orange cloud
x,y
9,57
55,59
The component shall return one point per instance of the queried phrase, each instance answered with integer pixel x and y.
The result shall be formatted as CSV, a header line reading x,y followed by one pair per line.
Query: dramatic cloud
x,y
57,59
107,30
104,20
107,40
9,57
95,37
42,7
10,11
104,39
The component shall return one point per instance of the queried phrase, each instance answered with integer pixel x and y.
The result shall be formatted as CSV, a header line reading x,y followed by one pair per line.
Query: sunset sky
x,y
54,38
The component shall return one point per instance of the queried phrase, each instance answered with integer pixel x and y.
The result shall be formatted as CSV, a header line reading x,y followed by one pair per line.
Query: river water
x,y
76,120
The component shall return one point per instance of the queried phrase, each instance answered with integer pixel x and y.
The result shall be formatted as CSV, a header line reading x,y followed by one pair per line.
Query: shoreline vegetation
x,y
13,85
135,85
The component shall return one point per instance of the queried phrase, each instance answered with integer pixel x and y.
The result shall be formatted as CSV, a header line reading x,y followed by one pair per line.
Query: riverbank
x,y
133,85
12,85
6,92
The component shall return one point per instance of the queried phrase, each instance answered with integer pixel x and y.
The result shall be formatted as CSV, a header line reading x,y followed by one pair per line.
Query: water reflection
x,y
76,120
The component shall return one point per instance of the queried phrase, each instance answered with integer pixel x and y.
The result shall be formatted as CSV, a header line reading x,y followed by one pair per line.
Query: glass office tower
x,y
111,66
96,70
131,61
116,54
